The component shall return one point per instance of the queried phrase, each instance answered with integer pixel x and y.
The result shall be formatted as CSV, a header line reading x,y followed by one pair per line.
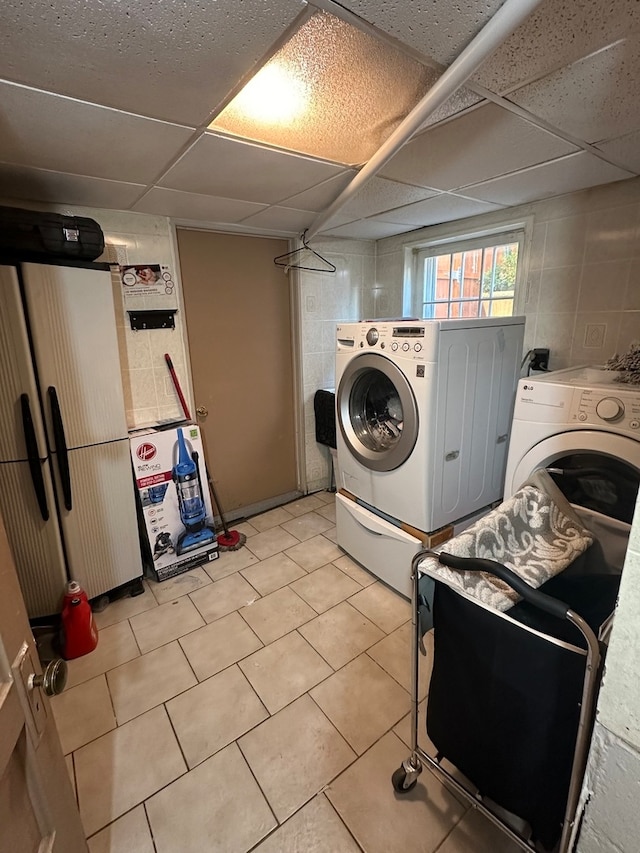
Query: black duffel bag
x,y
33,235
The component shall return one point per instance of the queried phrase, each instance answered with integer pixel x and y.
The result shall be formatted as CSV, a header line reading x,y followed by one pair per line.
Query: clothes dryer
x,y
583,426
423,411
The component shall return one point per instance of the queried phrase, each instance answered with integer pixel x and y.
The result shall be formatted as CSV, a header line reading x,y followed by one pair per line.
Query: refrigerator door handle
x,y
61,447
33,457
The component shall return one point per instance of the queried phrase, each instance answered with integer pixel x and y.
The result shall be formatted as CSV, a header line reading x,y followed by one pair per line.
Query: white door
x,y
38,813
72,318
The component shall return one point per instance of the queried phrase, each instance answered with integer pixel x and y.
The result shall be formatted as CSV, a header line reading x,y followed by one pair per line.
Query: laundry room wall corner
x,y
324,299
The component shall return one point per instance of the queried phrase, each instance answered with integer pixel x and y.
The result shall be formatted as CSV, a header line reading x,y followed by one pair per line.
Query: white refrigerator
x,y
66,487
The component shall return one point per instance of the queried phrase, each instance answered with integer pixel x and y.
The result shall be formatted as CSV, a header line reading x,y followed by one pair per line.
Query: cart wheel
x,y
399,781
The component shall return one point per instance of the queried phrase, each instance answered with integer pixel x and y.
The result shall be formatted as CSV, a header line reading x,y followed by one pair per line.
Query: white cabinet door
x,y
17,378
35,542
72,319
101,531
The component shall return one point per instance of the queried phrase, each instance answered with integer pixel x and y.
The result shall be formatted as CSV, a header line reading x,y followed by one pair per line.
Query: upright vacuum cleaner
x,y
193,511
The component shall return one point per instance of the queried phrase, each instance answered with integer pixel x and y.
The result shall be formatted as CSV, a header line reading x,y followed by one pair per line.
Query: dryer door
x,y
596,470
377,412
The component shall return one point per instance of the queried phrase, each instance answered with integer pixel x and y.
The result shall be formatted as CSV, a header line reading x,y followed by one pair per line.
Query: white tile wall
x,y
582,271
325,299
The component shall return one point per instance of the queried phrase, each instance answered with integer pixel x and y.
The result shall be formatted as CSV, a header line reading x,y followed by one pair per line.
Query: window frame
x,y
447,240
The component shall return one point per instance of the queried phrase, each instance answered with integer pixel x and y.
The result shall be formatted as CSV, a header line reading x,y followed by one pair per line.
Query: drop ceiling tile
x,y
565,175
366,229
442,208
174,60
182,205
20,182
557,33
51,132
318,198
376,196
625,150
596,98
281,219
438,29
231,168
461,100
482,144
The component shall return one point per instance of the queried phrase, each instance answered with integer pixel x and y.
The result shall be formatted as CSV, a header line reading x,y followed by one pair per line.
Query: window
x,y
465,277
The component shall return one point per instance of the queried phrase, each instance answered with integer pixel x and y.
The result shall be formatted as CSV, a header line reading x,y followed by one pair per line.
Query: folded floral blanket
x,y
531,533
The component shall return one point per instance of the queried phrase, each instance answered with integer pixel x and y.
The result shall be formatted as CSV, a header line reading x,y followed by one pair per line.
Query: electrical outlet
x,y
539,359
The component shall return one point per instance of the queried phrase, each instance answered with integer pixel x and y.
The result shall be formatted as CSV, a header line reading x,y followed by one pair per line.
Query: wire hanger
x,y
288,259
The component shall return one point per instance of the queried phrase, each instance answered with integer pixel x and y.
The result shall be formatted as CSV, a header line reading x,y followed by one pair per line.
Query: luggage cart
x,y
512,695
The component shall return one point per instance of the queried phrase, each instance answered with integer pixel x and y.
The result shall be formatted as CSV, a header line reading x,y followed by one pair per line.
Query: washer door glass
x,y
598,482
377,412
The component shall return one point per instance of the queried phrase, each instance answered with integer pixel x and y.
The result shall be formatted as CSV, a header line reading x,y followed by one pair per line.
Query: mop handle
x,y
176,385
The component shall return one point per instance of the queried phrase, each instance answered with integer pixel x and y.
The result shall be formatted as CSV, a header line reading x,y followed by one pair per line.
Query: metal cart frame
x,y
406,776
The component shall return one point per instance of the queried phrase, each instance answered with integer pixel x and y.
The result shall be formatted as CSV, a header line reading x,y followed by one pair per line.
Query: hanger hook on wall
x,y
288,260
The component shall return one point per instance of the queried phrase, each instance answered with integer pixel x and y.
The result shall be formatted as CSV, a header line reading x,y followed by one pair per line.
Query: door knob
x,y
202,412
53,680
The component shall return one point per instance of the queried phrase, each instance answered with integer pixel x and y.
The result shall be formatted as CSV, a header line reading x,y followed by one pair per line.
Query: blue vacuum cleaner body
x,y
192,508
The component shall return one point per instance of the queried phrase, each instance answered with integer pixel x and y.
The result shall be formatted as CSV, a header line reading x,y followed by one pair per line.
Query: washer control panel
x,y
403,338
617,407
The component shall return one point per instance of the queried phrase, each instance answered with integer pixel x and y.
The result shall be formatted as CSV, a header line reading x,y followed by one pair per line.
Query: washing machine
x,y
583,426
423,412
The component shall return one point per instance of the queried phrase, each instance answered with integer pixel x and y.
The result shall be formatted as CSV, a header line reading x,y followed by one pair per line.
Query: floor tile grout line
x,y
339,816
175,734
146,814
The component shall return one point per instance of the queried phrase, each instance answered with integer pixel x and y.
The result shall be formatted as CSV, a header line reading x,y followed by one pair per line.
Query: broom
x,y
229,540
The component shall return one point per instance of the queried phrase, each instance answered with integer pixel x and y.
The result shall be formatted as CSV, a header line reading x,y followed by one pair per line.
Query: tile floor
x,y
260,704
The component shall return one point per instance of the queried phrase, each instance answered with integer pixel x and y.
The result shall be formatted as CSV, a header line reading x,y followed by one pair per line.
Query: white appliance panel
x,y
383,548
35,543
16,374
450,422
100,531
477,374
562,412
71,313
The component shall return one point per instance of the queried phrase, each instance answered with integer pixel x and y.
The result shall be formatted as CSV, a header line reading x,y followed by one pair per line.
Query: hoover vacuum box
x,y
175,512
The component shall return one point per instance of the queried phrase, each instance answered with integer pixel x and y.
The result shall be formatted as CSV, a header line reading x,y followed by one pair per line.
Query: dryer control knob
x,y
610,408
372,336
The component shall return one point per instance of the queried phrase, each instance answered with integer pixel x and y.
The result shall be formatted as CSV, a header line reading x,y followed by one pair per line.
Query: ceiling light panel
x,y
333,91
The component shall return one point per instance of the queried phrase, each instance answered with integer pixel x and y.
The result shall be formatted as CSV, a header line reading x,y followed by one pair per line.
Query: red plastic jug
x,y
74,590
79,632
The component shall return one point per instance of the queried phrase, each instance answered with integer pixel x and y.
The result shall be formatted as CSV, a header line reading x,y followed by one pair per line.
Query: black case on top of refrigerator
x,y
34,235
